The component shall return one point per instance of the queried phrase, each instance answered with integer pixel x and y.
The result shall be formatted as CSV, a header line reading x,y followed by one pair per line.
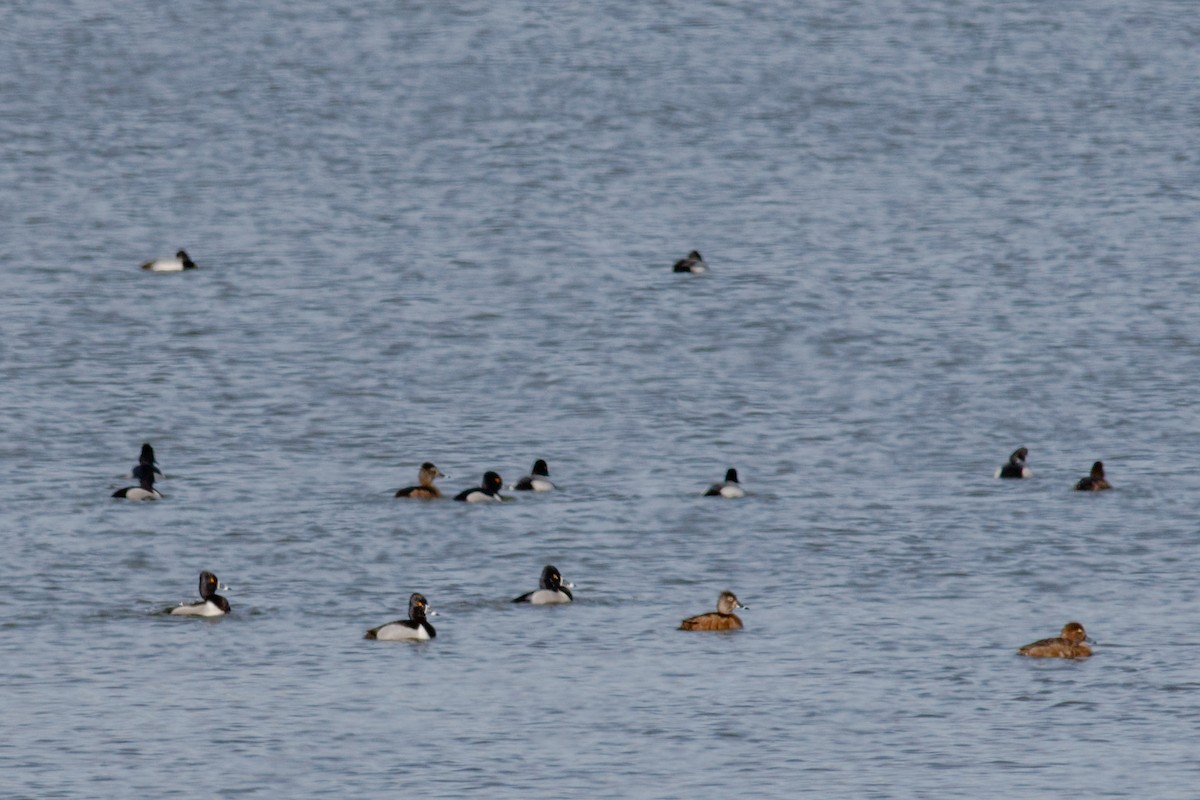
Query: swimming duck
x,y
728,488
210,604
415,628
177,264
490,490
1094,482
1068,644
1015,468
693,263
146,461
553,589
538,480
426,490
144,491
723,619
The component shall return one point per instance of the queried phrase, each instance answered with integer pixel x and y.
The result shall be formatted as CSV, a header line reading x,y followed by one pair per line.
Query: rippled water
x,y
444,231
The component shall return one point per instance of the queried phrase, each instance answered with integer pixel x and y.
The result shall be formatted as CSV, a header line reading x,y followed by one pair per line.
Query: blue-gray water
x,y
443,231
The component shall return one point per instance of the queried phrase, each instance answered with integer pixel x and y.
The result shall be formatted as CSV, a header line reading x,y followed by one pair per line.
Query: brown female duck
x,y
1094,482
426,490
723,619
1069,644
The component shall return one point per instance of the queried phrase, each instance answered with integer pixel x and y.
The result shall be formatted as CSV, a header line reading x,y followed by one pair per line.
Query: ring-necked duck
x,y
490,490
177,264
728,488
553,589
723,619
146,461
1068,644
1015,468
211,604
415,628
538,480
144,491
1094,482
693,263
426,491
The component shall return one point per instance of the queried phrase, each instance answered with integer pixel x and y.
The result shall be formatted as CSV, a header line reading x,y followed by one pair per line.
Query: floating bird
x,y
1069,644
552,589
415,628
723,619
728,488
1094,482
1015,468
426,490
210,604
538,480
490,490
144,491
177,264
693,263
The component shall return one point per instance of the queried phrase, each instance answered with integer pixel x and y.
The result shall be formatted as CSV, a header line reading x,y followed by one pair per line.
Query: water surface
x,y
444,231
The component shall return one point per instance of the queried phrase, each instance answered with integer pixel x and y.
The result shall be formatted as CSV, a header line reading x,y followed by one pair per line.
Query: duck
x,y
1068,644
693,263
416,628
727,488
143,491
177,264
552,589
146,461
489,491
426,490
210,603
1015,468
538,480
723,619
1094,482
